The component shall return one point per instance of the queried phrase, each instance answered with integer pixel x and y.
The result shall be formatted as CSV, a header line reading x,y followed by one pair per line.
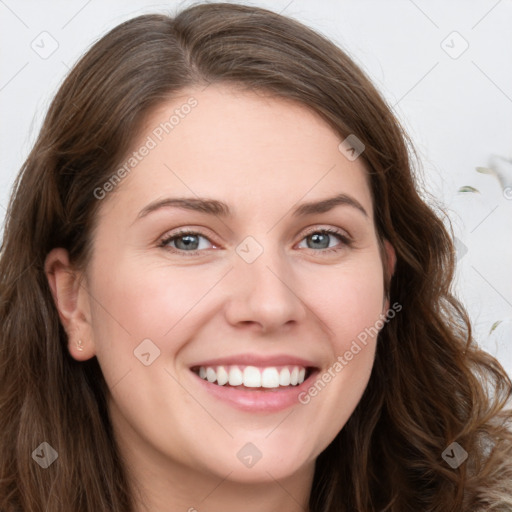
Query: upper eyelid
x,y
338,231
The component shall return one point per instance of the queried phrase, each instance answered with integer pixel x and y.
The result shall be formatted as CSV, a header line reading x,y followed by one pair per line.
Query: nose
x,y
265,295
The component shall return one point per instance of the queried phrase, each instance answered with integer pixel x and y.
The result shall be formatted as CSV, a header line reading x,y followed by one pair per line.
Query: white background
x,y
457,110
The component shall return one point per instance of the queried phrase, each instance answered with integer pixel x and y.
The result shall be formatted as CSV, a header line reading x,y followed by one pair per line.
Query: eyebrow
x,y
219,208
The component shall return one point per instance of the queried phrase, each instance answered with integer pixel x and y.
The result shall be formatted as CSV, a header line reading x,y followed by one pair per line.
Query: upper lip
x,y
257,360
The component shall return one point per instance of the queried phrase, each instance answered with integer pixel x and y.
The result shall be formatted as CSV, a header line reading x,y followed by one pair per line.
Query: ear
x,y
72,302
389,262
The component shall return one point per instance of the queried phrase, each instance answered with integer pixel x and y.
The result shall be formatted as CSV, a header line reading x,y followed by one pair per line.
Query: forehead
x,y
251,150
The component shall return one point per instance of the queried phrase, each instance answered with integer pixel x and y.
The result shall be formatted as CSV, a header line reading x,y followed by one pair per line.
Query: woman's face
x,y
202,336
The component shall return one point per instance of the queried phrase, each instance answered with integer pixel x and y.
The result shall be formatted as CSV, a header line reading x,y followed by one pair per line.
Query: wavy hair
x,y
430,386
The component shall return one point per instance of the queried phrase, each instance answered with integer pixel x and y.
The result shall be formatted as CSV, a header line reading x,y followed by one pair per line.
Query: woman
x,y
260,371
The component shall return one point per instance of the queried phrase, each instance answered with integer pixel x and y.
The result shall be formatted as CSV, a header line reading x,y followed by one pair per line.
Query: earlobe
x,y
71,301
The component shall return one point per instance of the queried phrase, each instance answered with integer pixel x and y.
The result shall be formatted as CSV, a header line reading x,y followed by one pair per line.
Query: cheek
x,y
147,300
348,299
135,301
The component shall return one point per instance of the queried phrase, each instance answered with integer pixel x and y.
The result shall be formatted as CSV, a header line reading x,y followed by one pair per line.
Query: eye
x,y
321,238
186,241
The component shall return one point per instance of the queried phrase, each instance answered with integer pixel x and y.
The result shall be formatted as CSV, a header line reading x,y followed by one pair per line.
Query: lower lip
x,y
259,400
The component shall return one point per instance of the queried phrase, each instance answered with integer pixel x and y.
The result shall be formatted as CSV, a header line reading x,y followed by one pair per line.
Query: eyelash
x,y
346,241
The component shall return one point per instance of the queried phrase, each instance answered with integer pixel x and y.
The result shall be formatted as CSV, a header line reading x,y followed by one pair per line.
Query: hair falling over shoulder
x,y
431,385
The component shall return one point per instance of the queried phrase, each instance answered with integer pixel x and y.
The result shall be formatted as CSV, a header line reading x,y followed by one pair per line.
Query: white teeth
x,y
211,376
254,377
236,377
222,376
284,377
270,378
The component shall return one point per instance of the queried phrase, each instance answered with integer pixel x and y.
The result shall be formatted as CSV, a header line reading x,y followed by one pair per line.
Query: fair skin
x,y
178,433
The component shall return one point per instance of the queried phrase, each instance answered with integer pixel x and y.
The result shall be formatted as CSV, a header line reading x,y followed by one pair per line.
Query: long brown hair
x,y
430,386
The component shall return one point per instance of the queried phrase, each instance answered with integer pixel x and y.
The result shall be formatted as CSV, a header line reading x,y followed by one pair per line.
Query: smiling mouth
x,y
253,377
